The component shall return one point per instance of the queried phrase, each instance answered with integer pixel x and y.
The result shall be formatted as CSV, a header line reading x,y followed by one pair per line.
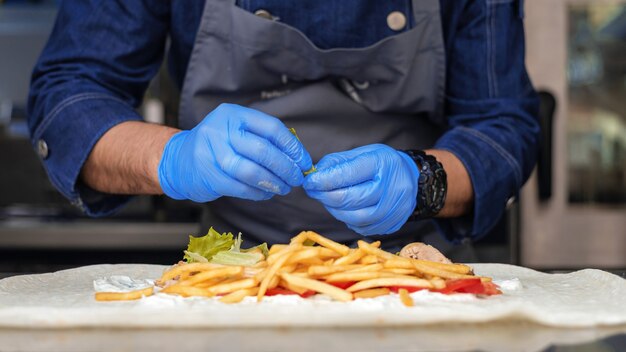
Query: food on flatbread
x,y
216,266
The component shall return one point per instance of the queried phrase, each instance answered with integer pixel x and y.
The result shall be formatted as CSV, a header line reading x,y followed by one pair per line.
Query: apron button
x,y
263,14
42,149
396,20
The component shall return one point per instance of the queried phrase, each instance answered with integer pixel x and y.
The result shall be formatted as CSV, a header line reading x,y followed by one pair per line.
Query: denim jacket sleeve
x,y
491,109
90,77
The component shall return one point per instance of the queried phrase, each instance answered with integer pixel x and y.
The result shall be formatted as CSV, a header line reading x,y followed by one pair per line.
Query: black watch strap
x,y
432,185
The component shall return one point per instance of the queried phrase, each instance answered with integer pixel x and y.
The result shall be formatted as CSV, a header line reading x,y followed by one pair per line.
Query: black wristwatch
x,y
432,185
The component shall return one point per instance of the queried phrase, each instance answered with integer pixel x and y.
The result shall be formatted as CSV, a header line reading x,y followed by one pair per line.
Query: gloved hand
x,y
236,152
372,189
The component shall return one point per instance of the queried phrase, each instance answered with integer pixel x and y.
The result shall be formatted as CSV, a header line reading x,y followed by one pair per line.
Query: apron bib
x,y
390,92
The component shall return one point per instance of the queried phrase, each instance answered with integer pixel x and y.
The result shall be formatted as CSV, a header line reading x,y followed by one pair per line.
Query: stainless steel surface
x,y
504,336
85,234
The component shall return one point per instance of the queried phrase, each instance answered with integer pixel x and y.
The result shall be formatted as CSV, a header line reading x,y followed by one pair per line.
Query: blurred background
x,y
571,213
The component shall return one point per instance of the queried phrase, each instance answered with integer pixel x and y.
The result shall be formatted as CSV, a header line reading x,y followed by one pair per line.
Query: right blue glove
x,y
235,151
372,189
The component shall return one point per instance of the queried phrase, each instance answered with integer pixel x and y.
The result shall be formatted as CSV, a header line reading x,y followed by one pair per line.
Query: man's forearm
x,y
125,160
460,196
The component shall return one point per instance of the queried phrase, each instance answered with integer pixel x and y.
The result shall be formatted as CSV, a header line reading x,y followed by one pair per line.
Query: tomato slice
x,y
477,289
473,286
307,293
491,289
279,291
342,284
455,285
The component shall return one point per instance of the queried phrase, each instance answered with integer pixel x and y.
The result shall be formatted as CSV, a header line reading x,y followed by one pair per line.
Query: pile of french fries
x,y
300,268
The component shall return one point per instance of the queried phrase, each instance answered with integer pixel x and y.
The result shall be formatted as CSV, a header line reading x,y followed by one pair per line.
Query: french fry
x,y
209,283
304,253
187,291
408,263
299,238
273,269
312,261
328,243
369,259
261,264
288,268
272,258
438,283
371,293
232,286
318,286
400,271
353,276
261,275
226,271
398,263
277,248
124,296
428,269
405,298
327,253
352,257
252,271
389,281
273,282
179,269
317,270
455,268
434,271
370,267
297,289
369,249
239,295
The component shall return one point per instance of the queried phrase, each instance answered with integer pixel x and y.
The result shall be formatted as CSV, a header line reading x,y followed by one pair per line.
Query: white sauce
x,y
360,304
165,300
509,285
120,283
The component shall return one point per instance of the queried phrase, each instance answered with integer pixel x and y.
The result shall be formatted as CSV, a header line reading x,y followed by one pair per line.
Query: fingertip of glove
x,y
309,182
296,180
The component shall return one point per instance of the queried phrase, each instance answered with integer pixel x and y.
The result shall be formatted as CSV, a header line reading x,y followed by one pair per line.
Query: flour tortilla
x,y
65,299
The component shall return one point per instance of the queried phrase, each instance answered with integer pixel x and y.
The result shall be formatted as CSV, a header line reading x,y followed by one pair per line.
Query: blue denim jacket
x,y
102,54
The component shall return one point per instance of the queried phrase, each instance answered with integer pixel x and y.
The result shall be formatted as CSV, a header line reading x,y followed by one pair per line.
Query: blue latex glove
x,y
236,152
372,189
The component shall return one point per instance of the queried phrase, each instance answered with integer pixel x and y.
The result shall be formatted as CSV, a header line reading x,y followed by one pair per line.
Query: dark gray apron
x,y
337,99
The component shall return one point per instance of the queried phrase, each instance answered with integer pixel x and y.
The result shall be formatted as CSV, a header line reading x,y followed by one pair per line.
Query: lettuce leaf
x,y
208,246
223,249
195,257
260,248
312,169
237,258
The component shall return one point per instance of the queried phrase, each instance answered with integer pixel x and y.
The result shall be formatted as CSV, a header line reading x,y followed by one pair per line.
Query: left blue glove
x,y
372,189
